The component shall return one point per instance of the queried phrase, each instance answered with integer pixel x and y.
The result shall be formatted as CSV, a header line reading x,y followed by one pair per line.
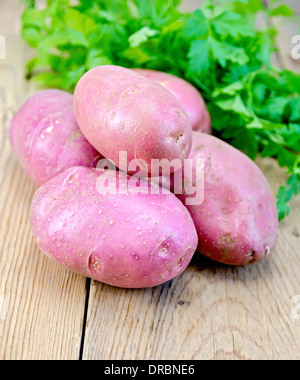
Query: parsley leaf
x,y
141,36
199,60
286,193
231,24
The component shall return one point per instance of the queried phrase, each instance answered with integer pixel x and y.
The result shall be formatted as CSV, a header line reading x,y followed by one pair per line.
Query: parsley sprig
x,y
218,48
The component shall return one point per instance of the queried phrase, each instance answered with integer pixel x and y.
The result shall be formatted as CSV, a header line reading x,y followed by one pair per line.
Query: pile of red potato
x,y
117,225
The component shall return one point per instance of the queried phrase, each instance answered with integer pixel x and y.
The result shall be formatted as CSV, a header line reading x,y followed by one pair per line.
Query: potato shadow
x,y
201,263
255,271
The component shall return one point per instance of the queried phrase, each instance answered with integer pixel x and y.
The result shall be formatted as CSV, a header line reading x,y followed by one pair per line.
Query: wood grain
x,y
41,304
209,312
284,38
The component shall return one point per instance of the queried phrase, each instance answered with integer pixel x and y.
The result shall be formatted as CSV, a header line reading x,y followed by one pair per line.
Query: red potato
x,y
46,137
119,110
237,223
126,240
187,95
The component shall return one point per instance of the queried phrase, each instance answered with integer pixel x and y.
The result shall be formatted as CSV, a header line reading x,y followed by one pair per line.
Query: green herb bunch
x,y
218,48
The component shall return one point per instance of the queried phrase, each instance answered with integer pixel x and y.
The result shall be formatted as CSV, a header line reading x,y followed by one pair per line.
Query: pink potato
x,y
119,110
128,239
46,137
237,223
187,95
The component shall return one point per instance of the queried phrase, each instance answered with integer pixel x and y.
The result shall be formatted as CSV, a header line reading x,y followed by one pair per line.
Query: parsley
x,y
218,48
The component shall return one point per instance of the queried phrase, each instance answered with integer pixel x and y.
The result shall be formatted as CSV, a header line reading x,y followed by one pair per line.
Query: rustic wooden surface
x,y
209,312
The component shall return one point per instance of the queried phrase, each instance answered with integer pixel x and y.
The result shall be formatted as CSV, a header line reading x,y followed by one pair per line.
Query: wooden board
x,y
210,312
41,304
285,37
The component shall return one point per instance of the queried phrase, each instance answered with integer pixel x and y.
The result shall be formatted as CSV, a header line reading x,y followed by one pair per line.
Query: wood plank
x,y
190,5
41,304
209,312
284,39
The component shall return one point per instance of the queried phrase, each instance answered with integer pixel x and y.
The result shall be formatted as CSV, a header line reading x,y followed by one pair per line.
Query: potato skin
x,y
237,223
120,110
187,95
130,240
46,138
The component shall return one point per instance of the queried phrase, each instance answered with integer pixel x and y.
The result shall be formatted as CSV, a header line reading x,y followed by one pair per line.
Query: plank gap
x,y
85,314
